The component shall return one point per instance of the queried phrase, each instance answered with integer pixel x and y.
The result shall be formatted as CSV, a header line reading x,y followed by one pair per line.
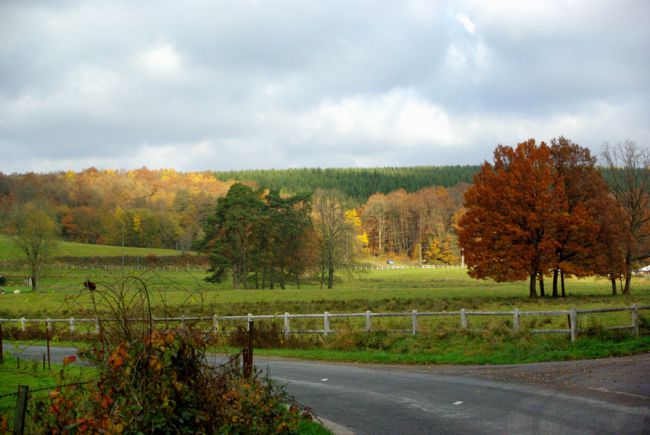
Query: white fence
x,y
463,316
147,266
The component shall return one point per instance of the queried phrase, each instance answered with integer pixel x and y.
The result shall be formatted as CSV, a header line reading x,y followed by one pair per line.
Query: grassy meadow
x,y
9,252
177,291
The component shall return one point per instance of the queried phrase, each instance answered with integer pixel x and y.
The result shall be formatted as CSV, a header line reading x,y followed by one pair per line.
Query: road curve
x,y
389,400
370,399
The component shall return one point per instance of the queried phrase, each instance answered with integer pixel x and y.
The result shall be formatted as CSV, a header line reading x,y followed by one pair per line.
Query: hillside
x,y
8,252
357,183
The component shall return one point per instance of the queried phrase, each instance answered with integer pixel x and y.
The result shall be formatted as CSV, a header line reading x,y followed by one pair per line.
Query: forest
x,y
168,209
538,210
358,184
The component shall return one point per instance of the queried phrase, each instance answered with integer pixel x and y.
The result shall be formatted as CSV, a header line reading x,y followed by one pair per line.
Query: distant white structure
x,y
645,269
16,292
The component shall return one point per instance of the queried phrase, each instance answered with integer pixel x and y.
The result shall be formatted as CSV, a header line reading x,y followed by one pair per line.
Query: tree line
x,y
538,211
152,208
357,184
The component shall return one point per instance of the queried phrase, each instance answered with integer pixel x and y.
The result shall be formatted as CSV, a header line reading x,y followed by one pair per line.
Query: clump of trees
x,y
415,225
260,237
543,209
263,239
629,173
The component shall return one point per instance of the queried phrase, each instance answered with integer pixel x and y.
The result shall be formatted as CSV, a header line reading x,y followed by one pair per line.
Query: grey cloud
x,y
244,84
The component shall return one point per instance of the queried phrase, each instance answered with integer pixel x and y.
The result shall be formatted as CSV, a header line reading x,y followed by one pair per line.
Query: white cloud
x,y
160,60
467,23
399,118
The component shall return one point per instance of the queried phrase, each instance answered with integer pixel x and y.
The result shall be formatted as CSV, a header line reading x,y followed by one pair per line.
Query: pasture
x,y
9,252
186,292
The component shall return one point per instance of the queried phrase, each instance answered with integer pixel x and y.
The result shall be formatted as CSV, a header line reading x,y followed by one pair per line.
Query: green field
x,y
380,290
176,292
33,374
9,252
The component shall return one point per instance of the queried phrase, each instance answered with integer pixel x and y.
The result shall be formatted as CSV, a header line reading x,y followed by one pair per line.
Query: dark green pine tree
x,y
232,234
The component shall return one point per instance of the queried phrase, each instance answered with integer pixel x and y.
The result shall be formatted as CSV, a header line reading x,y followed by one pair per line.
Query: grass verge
x,y
31,373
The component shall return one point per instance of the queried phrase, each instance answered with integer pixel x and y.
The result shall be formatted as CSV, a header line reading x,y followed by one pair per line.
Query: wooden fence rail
x,y
194,268
463,315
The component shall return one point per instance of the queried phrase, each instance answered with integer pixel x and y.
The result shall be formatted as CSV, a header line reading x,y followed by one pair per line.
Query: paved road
x,y
553,398
375,400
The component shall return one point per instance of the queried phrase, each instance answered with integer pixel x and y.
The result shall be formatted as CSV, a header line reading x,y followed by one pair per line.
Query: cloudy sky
x,y
198,85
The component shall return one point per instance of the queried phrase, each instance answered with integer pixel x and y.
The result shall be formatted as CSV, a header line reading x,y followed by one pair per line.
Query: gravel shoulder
x,y
623,380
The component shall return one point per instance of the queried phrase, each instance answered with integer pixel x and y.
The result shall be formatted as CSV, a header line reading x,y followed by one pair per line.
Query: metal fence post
x,y
515,320
287,326
463,318
414,322
248,323
71,325
23,325
215,324
573,318
368,321
48,324
635,319
326,323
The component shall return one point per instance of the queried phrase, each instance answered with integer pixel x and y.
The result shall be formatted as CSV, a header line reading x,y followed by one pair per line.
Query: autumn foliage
x,y
535,210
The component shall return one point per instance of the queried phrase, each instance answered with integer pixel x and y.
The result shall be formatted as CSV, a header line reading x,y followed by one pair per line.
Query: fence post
x,y
368,321
287,326
414,322
2,355
23,325
48,324
71,325
515,320
463,318
248,323
97,328
21,409
248,351
326,323
215,324
635,319
573,319
182,320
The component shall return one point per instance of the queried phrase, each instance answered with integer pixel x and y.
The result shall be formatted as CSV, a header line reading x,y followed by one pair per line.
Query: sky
x,y
220,85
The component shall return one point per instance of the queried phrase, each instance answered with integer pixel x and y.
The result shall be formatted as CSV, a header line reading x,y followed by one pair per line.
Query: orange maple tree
x,y
506,232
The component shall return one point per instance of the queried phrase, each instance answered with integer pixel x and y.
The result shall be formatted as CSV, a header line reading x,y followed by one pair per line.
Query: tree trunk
x,y
298,280
532,289
541,285
628,271
612,278
562,282
281,277
556,272
330,274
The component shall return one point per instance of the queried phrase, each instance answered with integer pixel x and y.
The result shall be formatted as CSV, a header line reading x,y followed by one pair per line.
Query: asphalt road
x,y
553,398
376,400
